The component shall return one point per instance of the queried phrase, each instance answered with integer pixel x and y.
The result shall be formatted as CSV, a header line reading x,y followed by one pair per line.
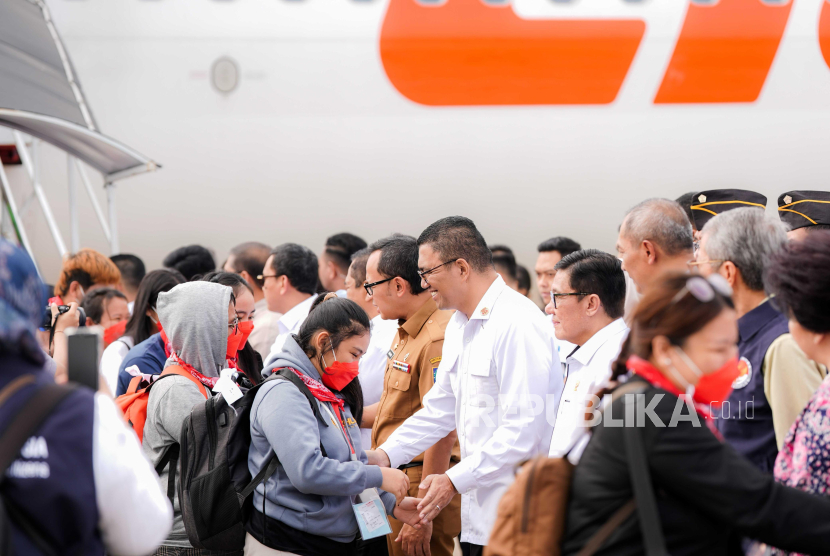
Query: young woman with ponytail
x,y
683,345
305,507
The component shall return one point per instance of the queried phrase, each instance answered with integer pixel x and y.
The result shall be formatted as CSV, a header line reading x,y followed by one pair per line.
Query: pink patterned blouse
x,y
804,459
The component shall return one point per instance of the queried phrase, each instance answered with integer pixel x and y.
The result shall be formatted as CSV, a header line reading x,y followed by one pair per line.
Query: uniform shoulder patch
x,y
435,360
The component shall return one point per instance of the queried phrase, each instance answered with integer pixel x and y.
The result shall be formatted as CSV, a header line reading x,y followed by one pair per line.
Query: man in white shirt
x,y
335,261
289,285
498,371
248,260
373,363
587,301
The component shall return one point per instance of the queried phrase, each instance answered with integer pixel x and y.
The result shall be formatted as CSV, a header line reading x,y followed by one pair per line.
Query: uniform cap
x,y
708,204
800,209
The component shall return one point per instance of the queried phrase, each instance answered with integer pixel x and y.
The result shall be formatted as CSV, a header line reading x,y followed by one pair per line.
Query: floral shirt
x,y
804,459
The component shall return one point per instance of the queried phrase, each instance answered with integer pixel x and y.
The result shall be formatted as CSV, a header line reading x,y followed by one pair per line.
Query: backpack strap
x,y
171,456
272,462
643,501
26,422
177,370
653,540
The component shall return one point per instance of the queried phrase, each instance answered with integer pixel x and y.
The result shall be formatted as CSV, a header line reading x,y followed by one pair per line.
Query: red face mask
x,y
714,388
114,332
245,328
234,343
338,375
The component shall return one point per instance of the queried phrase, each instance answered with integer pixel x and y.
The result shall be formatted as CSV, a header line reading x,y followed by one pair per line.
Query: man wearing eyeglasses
x,y
498,370
777,380
587,303
289,282
395,288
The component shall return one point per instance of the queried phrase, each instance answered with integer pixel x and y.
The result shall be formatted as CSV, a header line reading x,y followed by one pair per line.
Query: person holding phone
x,y
81,478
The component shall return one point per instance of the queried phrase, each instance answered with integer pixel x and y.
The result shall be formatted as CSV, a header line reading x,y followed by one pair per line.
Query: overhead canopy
x,y
106,155
40,95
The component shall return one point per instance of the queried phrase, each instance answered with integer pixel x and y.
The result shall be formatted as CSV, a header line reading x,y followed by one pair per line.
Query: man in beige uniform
x,y
412,363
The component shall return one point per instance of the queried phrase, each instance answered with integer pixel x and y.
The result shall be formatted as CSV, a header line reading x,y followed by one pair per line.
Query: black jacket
x,y
707,494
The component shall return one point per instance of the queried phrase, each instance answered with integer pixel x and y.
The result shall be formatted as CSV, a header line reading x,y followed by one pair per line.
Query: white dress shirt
x,y
373,367
289,323
112,358
497,367
266,328
587,370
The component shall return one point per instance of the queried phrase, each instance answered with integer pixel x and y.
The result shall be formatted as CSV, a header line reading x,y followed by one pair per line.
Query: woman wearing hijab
x,y
199,319
81,480
305,507
682,349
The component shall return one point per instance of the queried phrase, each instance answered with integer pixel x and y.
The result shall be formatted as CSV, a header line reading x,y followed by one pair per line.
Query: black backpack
x,y
24,424
215,484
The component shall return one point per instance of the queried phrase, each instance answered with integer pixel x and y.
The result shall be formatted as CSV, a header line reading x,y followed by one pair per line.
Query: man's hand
x,y
67,320
415,542
439,493
378,457
407,512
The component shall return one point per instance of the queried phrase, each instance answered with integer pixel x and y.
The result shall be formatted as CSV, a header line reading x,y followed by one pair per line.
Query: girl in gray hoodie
x,y
305,507
198,318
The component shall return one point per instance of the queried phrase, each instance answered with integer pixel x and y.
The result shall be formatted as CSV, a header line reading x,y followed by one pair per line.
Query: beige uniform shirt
x,y
411,367
790,379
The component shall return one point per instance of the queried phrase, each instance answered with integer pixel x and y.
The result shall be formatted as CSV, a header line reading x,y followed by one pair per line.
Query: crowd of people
x,y
389,393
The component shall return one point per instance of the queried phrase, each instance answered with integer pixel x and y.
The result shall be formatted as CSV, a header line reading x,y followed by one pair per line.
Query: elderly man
x,y
777,380
655,238
498,358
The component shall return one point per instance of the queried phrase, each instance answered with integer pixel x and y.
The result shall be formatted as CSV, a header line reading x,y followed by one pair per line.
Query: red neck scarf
x,y
656,378
209,381
319,390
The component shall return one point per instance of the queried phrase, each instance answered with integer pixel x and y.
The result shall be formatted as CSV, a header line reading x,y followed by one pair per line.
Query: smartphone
x,y
84,353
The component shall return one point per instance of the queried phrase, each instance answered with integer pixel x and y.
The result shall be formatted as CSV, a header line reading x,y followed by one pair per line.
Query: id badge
x,y
371,515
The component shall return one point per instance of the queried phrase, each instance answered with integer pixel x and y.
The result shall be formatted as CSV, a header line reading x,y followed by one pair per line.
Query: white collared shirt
x,y
496,368
587,369
373,367
290,323
266,328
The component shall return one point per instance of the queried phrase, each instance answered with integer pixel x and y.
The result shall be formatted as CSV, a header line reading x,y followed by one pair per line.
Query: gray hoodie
x,y
308,492
195,317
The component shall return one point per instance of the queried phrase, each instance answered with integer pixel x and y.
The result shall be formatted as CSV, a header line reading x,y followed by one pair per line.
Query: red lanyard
x,y
341,420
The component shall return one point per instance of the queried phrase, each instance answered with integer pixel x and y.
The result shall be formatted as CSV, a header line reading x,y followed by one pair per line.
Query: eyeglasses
x,y
370,287
704,289
553,296
694,264
423,273
233,326
262,277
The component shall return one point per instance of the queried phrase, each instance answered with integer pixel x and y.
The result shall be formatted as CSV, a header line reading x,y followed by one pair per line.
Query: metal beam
x,y
15,216
114,247
92,197
32,168
74,234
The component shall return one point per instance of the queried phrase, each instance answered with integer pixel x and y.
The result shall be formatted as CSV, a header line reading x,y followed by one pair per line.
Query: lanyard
x,y
342,429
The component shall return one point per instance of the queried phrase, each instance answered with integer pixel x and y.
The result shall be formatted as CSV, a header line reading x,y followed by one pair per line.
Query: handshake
x,y
434,493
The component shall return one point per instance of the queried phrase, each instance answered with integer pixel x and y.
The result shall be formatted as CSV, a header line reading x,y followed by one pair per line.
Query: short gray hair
x,y
663,222
748,238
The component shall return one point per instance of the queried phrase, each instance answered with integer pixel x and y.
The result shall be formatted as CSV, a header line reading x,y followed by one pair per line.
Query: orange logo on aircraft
x,y
464,52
